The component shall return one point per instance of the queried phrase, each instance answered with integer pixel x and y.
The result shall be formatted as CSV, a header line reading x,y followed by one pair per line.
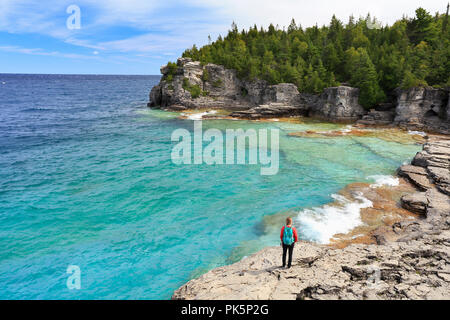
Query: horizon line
x,y
78,74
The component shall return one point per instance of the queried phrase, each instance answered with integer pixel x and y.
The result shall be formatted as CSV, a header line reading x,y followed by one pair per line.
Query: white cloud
x,y
167,27
42,52
308,13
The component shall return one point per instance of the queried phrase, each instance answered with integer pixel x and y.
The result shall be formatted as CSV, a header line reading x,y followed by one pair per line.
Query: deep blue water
x,y
86,179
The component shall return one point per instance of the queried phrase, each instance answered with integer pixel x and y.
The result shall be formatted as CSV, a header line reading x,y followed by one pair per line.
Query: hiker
x,y
288,238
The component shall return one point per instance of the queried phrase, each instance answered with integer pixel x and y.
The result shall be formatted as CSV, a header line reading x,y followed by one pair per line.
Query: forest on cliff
x,y
362,53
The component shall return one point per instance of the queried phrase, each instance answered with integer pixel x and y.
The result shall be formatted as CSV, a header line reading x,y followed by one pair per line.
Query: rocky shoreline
x,y
405,259
410,260
190,85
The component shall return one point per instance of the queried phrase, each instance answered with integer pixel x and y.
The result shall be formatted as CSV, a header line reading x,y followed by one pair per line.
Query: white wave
x,y
419,133
322,223
383,180
344,130
347,129
199,116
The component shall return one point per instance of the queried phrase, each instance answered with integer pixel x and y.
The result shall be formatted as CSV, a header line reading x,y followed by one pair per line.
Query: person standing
x,y
288,238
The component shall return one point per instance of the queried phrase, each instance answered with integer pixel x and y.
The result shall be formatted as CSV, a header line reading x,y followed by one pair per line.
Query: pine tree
x,y
413,51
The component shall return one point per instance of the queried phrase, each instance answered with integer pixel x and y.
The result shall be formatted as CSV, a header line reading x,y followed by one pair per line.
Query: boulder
x,y
416,202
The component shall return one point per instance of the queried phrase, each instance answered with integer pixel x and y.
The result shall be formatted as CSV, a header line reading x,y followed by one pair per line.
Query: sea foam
x,y
199,116
419,133
383,180
320,224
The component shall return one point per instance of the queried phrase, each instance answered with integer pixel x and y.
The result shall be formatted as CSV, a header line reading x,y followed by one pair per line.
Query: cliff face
x,y
193,86
423,108
221,88
338,103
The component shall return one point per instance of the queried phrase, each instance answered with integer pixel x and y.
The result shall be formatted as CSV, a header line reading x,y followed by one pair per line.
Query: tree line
x,y
362,53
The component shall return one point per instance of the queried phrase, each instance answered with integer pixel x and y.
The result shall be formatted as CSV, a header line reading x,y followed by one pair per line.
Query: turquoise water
x,y
86,179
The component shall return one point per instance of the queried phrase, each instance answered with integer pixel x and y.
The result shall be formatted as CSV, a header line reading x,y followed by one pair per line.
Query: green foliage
x,y
193,89
217,83
413,51
364,76
410,80
172,67
205,76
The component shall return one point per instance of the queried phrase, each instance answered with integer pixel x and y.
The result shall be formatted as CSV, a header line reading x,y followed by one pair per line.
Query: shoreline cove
x,y
372,209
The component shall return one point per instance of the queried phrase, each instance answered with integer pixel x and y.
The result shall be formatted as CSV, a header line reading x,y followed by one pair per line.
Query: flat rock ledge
x,y
413,264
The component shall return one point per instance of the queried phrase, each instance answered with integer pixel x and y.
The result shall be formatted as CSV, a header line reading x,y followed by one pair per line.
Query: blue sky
x,y
138,36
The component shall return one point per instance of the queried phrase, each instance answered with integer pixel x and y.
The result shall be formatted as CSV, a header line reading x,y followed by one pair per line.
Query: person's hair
x,y
288,221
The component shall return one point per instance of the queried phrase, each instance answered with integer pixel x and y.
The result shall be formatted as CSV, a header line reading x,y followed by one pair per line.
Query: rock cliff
x,y
338,103
411,259
191,85
423,109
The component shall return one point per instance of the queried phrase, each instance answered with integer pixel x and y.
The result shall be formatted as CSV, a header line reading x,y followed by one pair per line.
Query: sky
x,y
138,36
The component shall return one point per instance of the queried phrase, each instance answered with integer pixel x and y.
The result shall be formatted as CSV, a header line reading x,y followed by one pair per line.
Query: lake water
x,y
86,179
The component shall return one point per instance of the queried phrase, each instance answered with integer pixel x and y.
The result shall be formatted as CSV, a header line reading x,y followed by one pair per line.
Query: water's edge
x,y
323,273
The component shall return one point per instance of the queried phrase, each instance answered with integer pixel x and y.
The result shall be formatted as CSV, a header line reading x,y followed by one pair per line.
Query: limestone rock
x,y
441,177
420,108
270,110
376,117
416,175
416,202
338,103
410,262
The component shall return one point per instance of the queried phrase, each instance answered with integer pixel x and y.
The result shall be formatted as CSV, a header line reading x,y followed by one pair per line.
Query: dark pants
x,y
286,248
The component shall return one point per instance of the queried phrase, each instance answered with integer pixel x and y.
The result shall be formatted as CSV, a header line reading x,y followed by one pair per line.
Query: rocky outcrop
x,y
219,88
216,87
338,103
411,259
401,270
416,175
271,110
422,108
434,160
191,85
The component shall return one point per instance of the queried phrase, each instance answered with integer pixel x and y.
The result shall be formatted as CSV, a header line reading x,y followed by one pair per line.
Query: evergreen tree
x,y
412,52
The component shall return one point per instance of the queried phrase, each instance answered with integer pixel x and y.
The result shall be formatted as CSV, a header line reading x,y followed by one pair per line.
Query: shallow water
x,y
86,179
